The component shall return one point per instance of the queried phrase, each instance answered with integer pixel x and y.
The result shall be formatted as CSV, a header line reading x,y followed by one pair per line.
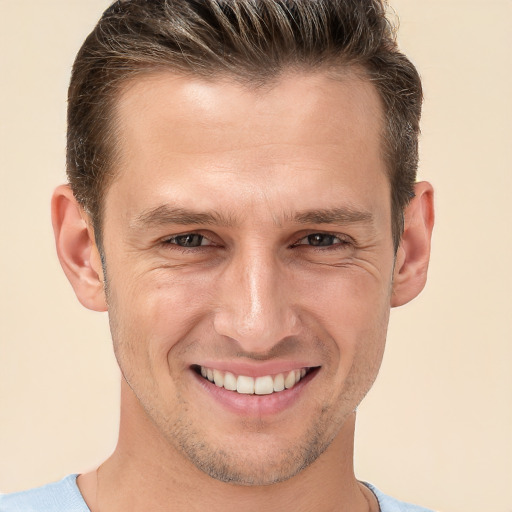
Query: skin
x,y
271,167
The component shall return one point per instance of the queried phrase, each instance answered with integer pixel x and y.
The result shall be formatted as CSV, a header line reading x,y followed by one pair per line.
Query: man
x,y
242,201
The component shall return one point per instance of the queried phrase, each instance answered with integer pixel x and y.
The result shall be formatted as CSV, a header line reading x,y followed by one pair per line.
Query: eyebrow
x,y
345,215
166,214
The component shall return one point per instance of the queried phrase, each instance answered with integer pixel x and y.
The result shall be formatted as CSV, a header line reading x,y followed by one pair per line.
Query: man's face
x,y
248,237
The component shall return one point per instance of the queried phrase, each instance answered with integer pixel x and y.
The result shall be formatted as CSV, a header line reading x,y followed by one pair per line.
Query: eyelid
x,y
343,239
171,239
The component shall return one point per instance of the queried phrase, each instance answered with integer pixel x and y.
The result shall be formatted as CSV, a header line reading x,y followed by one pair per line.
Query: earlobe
x,y
413,255
77,250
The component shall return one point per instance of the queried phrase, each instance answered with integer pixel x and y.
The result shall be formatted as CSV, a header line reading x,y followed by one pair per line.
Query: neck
x,y
146,473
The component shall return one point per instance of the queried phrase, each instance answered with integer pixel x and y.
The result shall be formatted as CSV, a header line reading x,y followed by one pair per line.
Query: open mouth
x,y
263,385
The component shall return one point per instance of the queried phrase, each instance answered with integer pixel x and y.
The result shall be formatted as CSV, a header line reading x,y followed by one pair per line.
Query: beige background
x,y
437,428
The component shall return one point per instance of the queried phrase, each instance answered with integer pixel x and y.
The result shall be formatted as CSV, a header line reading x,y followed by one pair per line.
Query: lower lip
x,y
256,405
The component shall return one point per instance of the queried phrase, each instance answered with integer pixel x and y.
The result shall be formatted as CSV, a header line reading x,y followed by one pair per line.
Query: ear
x,y
411,265
76,248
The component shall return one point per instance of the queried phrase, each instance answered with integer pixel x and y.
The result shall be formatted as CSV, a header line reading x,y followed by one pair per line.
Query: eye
x,y
322,240
188,240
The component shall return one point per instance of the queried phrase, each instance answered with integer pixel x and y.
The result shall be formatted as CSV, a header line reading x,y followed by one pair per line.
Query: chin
x,y
251,474
259,461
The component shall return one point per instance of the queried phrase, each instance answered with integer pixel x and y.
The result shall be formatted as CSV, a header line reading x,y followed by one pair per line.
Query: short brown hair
x,y
249,40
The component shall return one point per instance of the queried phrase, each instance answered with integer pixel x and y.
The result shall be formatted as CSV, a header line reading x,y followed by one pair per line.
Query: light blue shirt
x,y
64,496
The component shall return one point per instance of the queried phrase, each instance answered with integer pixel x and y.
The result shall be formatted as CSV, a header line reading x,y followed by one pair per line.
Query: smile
x,y
263,385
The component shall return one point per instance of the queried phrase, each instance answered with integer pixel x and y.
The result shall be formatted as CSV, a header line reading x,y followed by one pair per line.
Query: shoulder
x,y
62,496
389,504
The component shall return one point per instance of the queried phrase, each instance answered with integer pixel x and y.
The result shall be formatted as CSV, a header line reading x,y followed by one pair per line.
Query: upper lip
x,y
256,369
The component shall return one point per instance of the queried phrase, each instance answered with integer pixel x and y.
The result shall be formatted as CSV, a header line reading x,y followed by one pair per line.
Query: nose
x,y
255,306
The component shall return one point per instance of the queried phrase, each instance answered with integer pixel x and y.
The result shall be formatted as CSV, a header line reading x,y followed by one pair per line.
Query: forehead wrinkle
x,y
166,214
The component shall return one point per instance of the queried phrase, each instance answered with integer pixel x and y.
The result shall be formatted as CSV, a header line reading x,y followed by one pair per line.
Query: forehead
x,y
299,106
302,132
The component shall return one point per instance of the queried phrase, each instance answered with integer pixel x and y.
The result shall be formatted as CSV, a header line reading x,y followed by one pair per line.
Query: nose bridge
x,y
255,308
256,280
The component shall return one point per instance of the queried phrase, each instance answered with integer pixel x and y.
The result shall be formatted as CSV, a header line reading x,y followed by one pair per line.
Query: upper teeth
x,y
253,386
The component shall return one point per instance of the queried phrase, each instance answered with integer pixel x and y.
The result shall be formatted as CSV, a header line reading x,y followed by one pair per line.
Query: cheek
x,y
151,313
352,309
366,348
347,300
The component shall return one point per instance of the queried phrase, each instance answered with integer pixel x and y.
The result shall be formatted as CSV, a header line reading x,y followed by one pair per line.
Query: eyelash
x,y
344,241
171,241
